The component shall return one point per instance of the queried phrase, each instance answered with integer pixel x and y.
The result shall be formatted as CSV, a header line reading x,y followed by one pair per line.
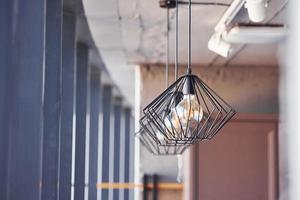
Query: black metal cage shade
x,y
187,111
155,148
157,134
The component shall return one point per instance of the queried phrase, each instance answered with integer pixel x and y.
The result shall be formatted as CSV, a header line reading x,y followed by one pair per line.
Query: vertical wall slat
x,y
117,143
95,109
81,110
52,99
25,94
107,98
67,104
127,149
5,25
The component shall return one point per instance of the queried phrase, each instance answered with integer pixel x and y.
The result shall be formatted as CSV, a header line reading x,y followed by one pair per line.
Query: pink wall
x,y
240,163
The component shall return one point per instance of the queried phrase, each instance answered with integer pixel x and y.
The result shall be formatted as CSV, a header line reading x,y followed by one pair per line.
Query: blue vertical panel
x,y
81,109
95,108
52,100
131,155
117,143
127,150
25,93
67,104
107,98
5,33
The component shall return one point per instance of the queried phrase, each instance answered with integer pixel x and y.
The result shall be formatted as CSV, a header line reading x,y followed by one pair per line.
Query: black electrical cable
x,y
168,4
189,36
176,42
167,48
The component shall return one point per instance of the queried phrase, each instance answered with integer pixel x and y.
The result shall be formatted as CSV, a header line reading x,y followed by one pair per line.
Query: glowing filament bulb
x,y
185,117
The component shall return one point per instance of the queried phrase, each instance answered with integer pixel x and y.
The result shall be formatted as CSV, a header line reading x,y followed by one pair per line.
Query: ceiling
x,y
138,28
130,32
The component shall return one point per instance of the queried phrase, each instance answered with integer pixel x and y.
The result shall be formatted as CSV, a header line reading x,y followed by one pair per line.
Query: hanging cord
x,y
189,37
167,48
176,42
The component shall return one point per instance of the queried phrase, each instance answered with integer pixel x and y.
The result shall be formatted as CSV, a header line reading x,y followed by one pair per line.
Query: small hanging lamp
x,y
155,148
188,110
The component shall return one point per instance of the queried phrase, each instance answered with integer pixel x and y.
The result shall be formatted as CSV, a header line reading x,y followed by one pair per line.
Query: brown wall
x,y
247,89
239,163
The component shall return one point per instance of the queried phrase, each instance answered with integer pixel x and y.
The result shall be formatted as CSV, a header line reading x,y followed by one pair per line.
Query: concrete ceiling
x,y
138,28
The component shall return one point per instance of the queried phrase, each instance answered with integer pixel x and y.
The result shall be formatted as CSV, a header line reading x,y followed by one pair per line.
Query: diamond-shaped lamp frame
x,y
165,122
155,148
152,139
157,134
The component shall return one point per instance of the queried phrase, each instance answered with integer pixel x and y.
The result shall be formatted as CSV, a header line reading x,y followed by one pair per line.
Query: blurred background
x,y
75,76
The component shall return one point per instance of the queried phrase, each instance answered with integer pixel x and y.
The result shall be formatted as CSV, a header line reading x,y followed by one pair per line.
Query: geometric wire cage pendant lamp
x,y
186,112
155,148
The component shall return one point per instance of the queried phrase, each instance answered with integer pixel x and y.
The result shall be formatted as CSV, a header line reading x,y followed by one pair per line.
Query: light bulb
x,y
185,117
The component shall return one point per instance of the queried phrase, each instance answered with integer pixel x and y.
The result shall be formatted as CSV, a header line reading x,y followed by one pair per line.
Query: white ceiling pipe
x,y
229,15
219,46
215,43
254,35
256,10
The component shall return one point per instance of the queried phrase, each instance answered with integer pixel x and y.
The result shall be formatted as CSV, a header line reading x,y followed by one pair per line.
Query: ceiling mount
x,y
167,4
